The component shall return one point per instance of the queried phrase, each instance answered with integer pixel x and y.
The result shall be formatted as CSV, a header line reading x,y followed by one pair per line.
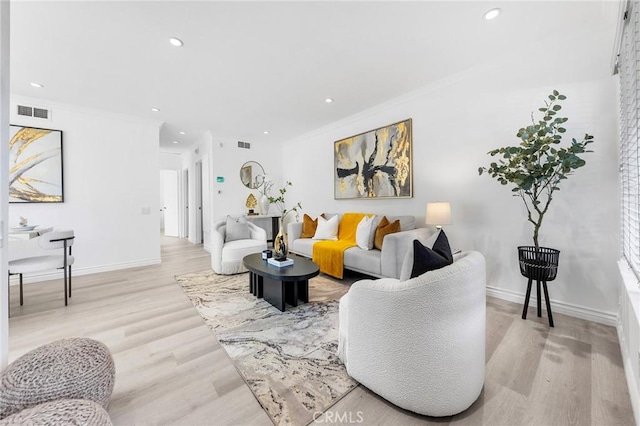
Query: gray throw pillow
x,y
237,229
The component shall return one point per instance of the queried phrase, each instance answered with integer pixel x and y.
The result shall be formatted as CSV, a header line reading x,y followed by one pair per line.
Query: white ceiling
x,y
247,67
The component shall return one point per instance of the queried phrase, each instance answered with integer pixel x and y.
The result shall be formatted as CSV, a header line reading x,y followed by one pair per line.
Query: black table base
x,y
280,286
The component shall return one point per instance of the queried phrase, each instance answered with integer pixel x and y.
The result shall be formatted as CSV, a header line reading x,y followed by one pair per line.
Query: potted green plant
x,y
535,169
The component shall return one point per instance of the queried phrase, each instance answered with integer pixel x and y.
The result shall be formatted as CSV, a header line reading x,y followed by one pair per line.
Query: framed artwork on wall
x,y
375,164
35,165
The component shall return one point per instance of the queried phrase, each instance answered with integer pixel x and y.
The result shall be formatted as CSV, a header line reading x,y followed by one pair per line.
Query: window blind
x,y
629,74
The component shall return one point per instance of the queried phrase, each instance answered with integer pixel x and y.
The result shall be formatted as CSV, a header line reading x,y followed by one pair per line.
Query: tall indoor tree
x,y
537,166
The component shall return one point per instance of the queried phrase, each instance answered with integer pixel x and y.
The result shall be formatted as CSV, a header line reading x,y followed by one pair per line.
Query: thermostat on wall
x,y
220,179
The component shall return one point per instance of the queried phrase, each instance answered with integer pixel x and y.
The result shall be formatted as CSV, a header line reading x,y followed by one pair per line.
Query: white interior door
x,y
185,193
199,228
170,202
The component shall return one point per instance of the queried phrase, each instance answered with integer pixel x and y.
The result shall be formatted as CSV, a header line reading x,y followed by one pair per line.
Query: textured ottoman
x,y
76,368
62,412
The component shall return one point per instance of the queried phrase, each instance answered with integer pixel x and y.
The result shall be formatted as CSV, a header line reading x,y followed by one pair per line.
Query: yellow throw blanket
x,y
329,255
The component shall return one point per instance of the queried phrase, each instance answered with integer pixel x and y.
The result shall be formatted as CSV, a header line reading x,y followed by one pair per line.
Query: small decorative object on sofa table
x,y
536,168
251,203
280,263
280,242
438,214
265,189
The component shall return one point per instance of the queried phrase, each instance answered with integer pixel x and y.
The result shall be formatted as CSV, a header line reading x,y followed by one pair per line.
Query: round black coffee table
x,y
278,286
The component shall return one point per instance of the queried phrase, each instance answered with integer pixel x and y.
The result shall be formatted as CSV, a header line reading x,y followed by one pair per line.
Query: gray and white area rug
x,y
288,359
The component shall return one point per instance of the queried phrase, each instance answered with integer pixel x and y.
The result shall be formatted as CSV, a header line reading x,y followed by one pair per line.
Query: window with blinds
x,y
629,74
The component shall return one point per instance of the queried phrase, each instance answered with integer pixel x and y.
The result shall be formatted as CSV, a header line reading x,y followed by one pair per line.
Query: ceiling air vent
x,y
27,111
41,113
245,145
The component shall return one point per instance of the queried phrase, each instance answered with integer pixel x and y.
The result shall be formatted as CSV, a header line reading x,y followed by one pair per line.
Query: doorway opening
x,y
169,220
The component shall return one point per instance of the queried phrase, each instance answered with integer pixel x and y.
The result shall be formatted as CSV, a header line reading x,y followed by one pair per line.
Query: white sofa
x,y
226,257
376,263
420,343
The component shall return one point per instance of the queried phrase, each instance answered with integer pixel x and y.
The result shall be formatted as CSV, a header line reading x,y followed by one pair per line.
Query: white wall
x,y
4,177
111,187
169,161
230,197
455,122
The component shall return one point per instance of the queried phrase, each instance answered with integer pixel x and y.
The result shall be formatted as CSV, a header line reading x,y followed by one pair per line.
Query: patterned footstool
x,y
62,412
76,368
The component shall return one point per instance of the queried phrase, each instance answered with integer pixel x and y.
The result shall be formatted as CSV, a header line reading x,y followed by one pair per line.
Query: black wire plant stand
x,y
539,264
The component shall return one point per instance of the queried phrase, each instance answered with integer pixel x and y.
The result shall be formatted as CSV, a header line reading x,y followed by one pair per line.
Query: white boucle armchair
x,y
420,343
226,258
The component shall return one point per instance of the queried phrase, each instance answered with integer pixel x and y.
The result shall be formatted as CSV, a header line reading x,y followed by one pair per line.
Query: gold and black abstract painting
x,y
35,165
375,164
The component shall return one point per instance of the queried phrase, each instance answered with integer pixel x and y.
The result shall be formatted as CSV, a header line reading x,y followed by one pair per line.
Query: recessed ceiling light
x,y
491,14
183,133
328,100
175,141
34,84
155,109
176,42
266,132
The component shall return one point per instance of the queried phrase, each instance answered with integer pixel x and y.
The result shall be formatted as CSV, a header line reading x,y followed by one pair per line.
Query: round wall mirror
x,y
252,174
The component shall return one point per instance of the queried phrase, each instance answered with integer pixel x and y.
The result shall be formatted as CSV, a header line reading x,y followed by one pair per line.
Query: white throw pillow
x,y
363,232
374,227
237,229
327,229
407,262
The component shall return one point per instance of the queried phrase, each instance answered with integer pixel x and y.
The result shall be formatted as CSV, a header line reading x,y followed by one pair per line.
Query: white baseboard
x,y
207,248
576,311
46,276
628,371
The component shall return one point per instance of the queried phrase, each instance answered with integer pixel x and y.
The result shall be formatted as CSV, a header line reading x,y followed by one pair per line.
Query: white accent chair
x,y
54,240
419,344
226,258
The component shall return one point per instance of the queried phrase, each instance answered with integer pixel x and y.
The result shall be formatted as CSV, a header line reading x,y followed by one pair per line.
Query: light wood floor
x,y
171,370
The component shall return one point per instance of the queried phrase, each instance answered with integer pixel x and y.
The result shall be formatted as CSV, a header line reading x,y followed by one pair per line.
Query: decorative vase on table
x,y
280,243
264,204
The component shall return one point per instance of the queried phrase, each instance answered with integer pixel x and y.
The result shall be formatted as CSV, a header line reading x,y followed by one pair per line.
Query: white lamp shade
x,y
438,214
